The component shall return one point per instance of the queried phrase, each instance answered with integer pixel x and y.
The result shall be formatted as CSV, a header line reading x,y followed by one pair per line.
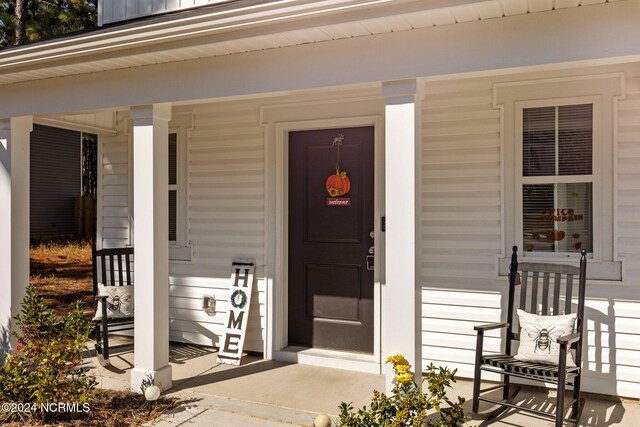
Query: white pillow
x,y
119,301
539,337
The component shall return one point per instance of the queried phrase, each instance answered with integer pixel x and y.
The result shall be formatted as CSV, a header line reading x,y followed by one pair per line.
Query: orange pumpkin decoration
x,y
338,184
558,235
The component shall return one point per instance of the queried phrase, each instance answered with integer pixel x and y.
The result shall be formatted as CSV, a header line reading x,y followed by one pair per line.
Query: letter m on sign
x,y
239,299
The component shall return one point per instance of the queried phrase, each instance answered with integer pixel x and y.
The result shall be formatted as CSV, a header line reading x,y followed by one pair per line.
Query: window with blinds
x,y
557,181
173,187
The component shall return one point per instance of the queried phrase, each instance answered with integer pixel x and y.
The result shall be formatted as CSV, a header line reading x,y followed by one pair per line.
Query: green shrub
x,y
45,367
408,405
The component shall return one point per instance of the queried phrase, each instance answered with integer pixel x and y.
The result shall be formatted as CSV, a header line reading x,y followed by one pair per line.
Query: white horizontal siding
x,y
461,181
461,221
114,188
226,220
628,179
614,327
462,235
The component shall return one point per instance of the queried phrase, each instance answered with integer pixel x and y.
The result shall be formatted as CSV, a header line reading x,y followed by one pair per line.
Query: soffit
x,y
271,25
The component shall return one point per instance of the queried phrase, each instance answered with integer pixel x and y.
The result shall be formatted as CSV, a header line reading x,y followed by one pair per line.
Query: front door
x,y
331,193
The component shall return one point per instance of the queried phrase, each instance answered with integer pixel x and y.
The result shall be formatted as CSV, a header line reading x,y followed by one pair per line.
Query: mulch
x,y
62,274
106,408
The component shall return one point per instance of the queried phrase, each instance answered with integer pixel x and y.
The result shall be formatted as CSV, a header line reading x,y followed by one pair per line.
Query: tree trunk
x,y
21,21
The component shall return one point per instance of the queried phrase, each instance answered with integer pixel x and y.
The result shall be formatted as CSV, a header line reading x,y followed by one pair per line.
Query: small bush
x,y
45,367
408,405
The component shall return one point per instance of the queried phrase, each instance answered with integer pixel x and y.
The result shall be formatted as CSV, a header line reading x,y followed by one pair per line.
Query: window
x,y
173,187
179,248
557,179
558,187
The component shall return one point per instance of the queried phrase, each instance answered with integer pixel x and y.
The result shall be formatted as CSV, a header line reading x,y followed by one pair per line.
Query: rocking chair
x,y
549,290
113,293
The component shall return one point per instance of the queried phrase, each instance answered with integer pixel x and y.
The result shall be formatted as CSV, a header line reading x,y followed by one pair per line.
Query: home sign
x,y
242,274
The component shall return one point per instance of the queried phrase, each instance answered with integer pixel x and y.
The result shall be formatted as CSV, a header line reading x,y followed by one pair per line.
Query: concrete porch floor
x,y
269,394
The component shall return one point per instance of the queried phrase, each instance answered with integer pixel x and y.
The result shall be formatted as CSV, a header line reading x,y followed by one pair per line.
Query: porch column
x,y
401,300
14,222
151,240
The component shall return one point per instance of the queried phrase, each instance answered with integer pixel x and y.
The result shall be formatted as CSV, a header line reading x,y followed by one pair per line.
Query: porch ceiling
x,y
185,35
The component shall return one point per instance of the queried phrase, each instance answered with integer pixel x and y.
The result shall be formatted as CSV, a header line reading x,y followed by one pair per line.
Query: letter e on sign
x,y
231,342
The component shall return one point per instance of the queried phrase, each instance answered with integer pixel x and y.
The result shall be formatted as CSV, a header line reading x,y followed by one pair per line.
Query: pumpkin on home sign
x,y
338,184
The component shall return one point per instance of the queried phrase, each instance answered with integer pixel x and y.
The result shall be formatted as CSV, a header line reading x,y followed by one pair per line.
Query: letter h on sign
x,y
232,340
239,276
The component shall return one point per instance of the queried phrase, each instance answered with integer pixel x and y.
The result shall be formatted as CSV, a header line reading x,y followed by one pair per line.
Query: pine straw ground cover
x,y
62,275
107,408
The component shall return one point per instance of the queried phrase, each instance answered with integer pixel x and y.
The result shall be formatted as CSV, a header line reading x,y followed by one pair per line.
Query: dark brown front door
x,y
330,236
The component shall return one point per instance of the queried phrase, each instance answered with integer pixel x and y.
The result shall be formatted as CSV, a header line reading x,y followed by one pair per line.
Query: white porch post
x,y
151,239
401,301
14,222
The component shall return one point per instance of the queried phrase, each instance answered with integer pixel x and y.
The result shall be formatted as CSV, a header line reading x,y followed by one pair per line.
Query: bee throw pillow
x,y
539,337
119,301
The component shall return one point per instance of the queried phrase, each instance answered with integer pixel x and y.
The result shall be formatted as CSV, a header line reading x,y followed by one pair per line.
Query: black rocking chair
x,y
550,287
111,268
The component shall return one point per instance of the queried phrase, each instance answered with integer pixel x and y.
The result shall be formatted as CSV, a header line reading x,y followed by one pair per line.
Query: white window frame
x,y
181,124
604,90
181,249
521,180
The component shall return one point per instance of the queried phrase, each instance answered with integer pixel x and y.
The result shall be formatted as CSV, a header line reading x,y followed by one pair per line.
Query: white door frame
x,y
277,185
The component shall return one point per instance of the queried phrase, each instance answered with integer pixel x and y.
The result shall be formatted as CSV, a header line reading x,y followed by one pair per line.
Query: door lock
x,y
371,258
